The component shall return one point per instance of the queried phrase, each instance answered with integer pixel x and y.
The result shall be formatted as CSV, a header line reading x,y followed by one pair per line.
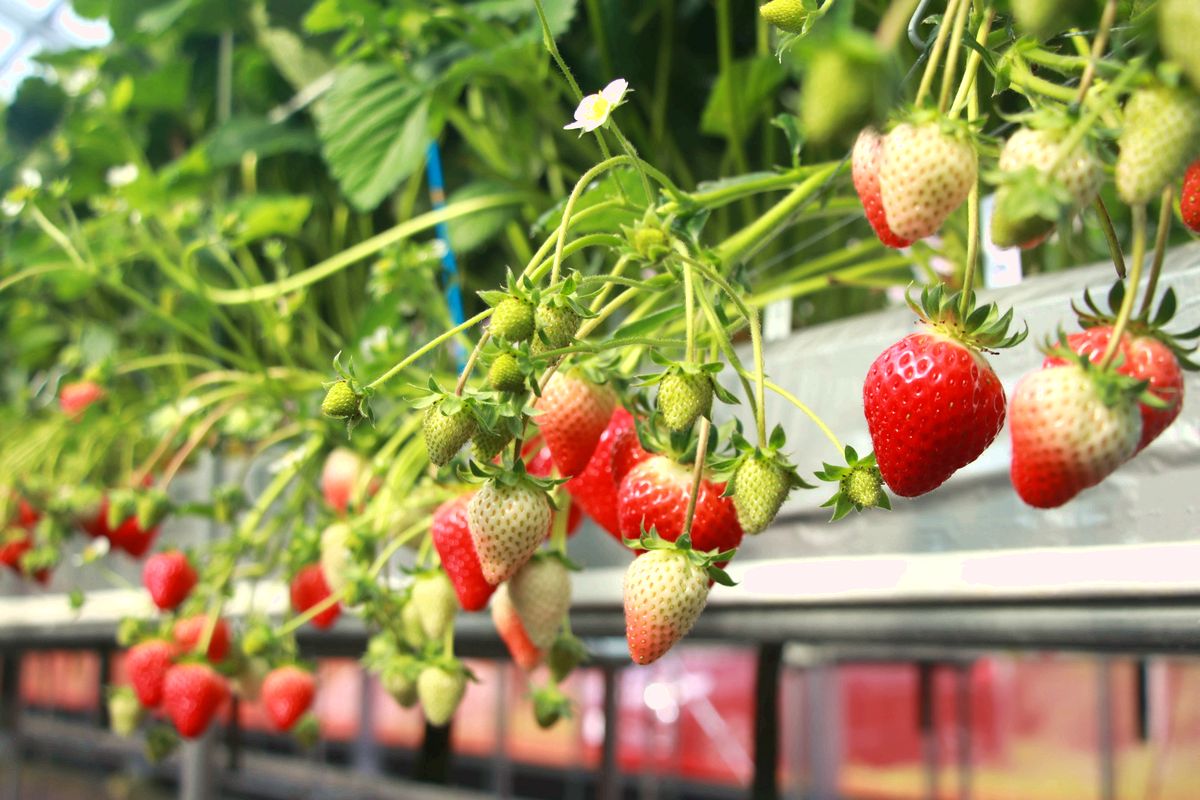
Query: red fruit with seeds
x,y
655,495
133,538
627,453
868,150
169,577
13,545
192,695
147,664
27,516
287,692
74,398
572,413
310,588
595,489
187,633
512,631
1189,197
452,539
1144,358
340,476
933,405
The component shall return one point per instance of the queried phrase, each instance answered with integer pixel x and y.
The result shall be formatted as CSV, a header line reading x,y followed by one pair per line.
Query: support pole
x,y
766,722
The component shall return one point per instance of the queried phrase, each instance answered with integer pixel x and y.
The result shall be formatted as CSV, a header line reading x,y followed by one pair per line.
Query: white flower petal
x,y
614,93
31,178
122,175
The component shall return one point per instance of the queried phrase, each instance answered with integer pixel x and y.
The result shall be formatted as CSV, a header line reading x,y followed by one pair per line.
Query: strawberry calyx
x,y
703,560
1112,387
1151,324
550,705
982,327
723,469
860,485
952,127
510,472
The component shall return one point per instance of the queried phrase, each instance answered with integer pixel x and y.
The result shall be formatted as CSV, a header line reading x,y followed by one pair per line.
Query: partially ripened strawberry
x,y
74,398
655,495
627,453
441,689
664,591
541,594
1160,138
452,539
1072,426
927,171
308,588
192,695
1143,358
572,413
340,475
512,631
336,557
684,395
1189,197
187,633
169,577
508,521
595,488
287,692
1039,184
446,429
147,664
435,602
933,403
865,161
540,464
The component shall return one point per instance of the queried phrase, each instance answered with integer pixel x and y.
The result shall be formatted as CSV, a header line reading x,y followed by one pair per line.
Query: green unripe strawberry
x,y
440,690
760,486
556,327
513,319
566,653
410,626
397,682
1160,138
650,242
445,434
549,706
505,374
787,15
1178,30
124,711
341,401
846,88
487,444
683,396
436,603
863,486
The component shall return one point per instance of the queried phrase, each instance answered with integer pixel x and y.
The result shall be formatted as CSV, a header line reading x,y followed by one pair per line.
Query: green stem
x,y
431,345
972,226
689,313
973,62
1138,256
697,474
760,376
808,412
960,25
935,55
580,185
1098,46
1160,251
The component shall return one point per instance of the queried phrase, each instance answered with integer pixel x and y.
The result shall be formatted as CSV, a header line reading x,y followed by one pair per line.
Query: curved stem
x,y
697,474
973,61
470,365
1098,46
808,412
960,25
430,345
935,55
194,440
1131,287
580,185
1110,233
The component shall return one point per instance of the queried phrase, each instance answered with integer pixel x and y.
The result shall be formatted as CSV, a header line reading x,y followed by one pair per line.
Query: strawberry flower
x,y
594,110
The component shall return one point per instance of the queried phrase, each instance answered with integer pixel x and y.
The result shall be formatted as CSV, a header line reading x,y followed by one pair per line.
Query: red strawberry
x,y
169,577
13,545
27,515
74,398
508,624
865,170
933,405
627,453
132,538
595,490
339,477
926,172
147,664
1144,358
308,589
541,465
655,495
452,538
1071,428
287,693
188,631
192,695
572,413
1189,197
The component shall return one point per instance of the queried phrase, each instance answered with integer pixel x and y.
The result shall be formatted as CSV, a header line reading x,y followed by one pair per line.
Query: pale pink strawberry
x,y
926,174
664,595
508,522
541,594
865,171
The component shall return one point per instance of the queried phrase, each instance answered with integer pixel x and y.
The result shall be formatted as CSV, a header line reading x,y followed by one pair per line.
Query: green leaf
x,y
559,13
163,88
260,216
741,96
300,65
790,125
648,325
374,126
473,231
226,146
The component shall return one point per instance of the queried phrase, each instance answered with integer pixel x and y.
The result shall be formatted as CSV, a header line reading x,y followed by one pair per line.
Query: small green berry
x,y
513,320
445,434
863,486
760,486
683,397
341,401
505,374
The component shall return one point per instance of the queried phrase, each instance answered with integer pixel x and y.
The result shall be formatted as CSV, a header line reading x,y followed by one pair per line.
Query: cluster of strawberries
x,y
184,670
